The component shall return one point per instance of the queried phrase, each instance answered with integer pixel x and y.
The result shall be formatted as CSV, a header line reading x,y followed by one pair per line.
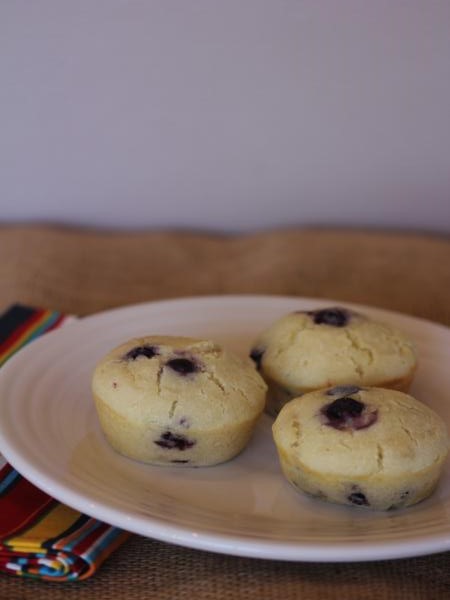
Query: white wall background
x,y
226,115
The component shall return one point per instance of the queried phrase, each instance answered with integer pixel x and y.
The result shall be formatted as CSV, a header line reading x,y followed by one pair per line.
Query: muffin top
x,y
152,378
353,431
307,350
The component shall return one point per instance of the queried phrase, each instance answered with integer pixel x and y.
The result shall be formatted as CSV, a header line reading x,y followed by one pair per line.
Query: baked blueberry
x,y
256,355
343,408
183,366
336,316
137,351
171,440
343,390
348,414
358,498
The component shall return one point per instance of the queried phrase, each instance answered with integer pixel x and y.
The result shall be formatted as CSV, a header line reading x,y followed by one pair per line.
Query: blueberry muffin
x,y
369,447
308,350
180,401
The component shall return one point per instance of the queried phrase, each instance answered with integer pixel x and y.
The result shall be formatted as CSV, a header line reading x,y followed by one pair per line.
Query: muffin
x,y
370,447
308,350
175,400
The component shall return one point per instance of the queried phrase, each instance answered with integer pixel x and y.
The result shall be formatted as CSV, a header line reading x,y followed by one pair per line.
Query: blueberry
x,y
343,390
183,366
146,350
171,440
343,408
358,498
256,355
337,317
348,414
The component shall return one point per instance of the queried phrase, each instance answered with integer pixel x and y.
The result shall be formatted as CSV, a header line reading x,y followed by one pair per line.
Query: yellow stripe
x,y
59,519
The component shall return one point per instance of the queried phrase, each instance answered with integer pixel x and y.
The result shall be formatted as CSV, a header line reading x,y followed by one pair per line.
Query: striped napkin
x,y
39,536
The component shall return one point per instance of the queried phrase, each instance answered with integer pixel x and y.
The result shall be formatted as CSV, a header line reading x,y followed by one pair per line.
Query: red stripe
x,y
21,330
21,507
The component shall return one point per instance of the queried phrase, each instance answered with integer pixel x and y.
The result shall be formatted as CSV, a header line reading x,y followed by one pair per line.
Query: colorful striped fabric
x,y
40,537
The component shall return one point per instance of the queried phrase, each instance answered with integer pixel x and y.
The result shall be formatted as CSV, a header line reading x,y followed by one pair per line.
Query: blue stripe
x,y
8,481
80,536
100,545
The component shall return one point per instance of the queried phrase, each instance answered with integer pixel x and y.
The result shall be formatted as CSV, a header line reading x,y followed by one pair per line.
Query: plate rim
x,y
258,297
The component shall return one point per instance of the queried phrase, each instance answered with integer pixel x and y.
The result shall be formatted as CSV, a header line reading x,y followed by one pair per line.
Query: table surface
x,y
81,271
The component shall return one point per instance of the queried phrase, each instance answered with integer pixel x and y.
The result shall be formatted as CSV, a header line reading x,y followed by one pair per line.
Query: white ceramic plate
x,y
49,432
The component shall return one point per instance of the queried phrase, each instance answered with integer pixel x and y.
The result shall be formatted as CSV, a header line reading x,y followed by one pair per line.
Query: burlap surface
x,y
81,272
